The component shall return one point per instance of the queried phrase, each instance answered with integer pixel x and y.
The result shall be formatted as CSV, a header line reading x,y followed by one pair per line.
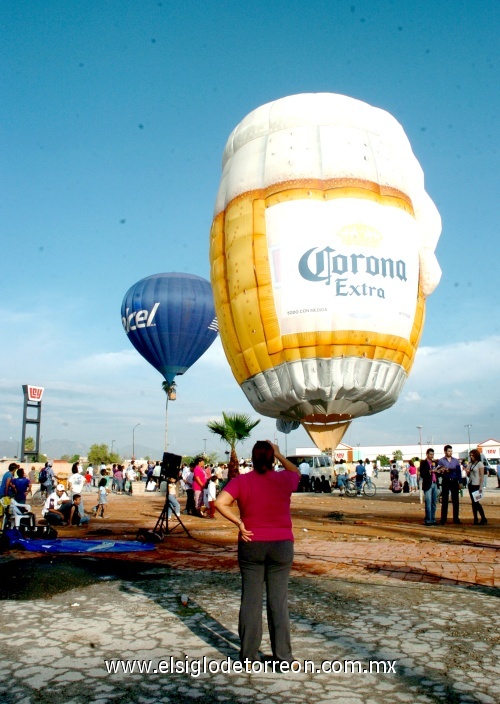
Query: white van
x,y
320,465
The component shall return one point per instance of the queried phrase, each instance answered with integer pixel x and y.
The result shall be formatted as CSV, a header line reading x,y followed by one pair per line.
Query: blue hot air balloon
x,y
170,320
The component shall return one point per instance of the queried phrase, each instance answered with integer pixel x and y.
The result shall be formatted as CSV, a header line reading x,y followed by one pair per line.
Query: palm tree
x,y
233,428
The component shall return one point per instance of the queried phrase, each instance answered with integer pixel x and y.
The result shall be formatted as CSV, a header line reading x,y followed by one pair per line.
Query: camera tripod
x,y
162,522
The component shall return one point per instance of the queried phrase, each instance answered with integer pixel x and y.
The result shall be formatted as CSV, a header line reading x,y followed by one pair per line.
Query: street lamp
x,y
359,453
133,440
468,426
420,438
204,446
17,443
112,444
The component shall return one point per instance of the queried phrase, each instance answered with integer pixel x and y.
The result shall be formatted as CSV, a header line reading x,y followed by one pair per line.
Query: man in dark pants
x,y
452,476
429,486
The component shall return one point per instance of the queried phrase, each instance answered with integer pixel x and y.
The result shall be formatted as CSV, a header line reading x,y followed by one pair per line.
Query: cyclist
x,y
360,475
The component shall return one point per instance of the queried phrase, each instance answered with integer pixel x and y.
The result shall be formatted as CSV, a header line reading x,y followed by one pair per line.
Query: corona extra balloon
x,y
322,256
170,320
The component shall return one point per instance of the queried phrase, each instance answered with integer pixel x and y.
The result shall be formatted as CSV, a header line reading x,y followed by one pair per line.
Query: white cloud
x,y
412,396
101,396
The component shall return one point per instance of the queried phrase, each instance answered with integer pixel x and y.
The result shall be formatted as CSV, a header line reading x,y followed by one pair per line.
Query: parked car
x,y
491,465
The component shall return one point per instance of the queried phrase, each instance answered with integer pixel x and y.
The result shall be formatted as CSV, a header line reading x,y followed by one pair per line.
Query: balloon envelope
x,y
322,256
170,319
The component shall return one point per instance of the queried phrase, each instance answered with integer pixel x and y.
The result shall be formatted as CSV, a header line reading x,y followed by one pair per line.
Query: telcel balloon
x,y
322,256
170,319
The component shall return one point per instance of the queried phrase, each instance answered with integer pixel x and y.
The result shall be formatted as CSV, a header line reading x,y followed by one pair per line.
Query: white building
x,y
490,448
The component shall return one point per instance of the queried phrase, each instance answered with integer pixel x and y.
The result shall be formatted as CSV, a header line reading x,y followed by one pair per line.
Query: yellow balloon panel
x,y
255,320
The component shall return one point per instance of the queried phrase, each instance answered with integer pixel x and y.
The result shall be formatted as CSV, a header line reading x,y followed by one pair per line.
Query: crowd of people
x,y
200,483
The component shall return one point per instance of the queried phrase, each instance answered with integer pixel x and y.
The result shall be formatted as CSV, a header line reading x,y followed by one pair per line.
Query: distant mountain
x,y
54,449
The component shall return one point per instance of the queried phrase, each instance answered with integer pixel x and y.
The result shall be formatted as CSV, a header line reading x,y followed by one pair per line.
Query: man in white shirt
x,y
305,474
130,474
76,482
57,507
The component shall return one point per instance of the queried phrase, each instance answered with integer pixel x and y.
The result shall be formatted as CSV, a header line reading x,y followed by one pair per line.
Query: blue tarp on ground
x,y
74,545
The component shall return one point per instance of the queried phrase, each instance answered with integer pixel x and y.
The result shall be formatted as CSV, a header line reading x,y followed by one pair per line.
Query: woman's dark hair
x,y
475,454
102,482
74,469
262,457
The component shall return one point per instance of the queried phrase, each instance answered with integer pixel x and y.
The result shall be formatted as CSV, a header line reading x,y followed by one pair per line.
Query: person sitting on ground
x,y
396,487
57,507
75,518
325,486
22,486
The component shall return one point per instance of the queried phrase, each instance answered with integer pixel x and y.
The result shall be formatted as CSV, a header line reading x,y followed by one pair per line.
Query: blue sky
x,y
113,120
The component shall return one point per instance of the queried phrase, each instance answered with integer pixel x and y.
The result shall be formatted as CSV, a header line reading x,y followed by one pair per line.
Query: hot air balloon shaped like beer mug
x,y
322,256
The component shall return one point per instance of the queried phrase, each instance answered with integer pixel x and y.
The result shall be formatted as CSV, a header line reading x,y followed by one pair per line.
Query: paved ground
x,y
370,583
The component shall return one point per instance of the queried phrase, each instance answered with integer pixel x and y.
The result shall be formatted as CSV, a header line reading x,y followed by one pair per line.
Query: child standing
x,y
173,503
211,495
102,500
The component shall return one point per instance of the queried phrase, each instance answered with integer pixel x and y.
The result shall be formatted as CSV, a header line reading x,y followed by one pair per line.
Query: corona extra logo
x,y
322,265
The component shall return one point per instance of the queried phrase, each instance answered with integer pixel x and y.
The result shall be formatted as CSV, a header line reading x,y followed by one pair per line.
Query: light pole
x,y
359,455
204,446
171,390
17,443
133,440
112,444
468,426
420,438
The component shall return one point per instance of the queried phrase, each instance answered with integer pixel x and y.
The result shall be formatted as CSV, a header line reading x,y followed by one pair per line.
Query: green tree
x,y
98,454
233,428
397,455
383,460
29,444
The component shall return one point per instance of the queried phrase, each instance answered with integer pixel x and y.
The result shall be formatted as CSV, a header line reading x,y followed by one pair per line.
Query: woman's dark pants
x,y
268,562
476,505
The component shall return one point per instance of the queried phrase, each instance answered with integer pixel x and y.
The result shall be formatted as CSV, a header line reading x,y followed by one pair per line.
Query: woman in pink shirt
x,y
265,547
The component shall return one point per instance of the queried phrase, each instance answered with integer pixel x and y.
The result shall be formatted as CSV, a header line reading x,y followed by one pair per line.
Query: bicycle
x,y
39,497
368,487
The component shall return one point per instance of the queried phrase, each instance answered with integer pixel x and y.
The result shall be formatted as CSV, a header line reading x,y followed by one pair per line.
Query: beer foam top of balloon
x,y
326,136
